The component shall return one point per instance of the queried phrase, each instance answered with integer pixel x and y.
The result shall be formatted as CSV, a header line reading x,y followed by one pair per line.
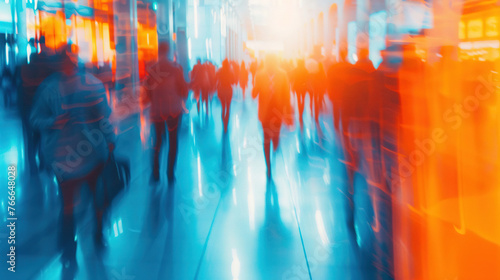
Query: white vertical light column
x,y
163,26
21,30
181,44
363,24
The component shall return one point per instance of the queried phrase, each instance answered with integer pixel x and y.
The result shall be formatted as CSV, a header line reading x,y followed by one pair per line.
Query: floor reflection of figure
x,y
274,240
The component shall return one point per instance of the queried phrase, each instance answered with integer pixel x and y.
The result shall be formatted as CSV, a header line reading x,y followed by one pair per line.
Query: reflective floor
x,y
223,219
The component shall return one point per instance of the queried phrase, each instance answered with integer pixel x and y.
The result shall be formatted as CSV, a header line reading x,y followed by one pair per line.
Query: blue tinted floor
x,y
222,220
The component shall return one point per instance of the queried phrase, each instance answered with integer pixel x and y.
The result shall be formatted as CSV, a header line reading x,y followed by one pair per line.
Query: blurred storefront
x,y
357,24
479,32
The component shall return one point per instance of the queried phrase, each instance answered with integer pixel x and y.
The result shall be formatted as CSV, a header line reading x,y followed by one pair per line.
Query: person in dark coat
x,y
71,112
167,92
200,82
235,67
225,80
212,82
7,86
272,88
253,70
195,76
357,112
243,78
41,66
300,84
337,85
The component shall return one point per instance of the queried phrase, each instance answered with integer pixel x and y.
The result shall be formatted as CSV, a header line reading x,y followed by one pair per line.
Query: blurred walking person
x,y
337,85
369,133
8,88
195,76
356,112
356,129
272,88
318,84
225,79
212,82
167,91
243,78
387,85
235,67
253,70
41,66
71,112
200,82
300,84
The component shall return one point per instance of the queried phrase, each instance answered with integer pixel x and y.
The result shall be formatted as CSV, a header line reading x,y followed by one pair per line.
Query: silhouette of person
x,y
387,89
355,111
235,67
300,84
204,80
41,66
356,130
200,81
225,79
318,81
368,123
212,82
337,85
7,85
243,78
71,112
272,88
167,91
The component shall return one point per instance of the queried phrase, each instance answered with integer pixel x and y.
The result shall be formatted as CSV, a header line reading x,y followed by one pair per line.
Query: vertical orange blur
x,y
447,209
53,28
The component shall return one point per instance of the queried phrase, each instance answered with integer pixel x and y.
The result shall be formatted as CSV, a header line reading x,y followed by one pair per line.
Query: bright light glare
x,y
283,20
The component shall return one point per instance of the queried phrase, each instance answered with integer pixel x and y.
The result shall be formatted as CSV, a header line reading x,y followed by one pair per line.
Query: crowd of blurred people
x,y
65,111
